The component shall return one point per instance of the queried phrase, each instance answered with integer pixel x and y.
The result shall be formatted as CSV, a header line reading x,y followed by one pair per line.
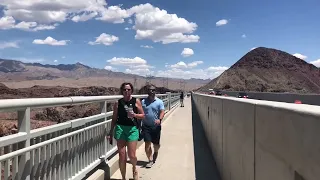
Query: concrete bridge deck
x,y
184,152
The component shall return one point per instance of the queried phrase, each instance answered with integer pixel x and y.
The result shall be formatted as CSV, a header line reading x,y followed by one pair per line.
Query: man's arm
x,y
140,114
161,111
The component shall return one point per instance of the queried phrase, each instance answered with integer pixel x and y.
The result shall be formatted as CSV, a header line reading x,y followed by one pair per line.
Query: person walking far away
x,y
153,108
181,99
126,113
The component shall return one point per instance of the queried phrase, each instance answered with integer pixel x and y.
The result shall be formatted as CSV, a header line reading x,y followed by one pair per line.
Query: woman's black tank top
x,y
122,113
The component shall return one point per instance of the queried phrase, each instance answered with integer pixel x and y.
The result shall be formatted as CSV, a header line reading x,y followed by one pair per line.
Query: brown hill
x,y
269,70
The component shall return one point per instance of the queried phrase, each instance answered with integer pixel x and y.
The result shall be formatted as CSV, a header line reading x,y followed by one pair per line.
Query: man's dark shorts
x,y
151,134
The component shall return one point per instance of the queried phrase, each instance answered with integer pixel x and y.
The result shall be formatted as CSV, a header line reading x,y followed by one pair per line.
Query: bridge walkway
x,y
184,152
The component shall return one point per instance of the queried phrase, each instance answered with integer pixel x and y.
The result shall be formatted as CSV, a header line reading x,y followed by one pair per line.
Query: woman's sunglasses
x,y
126,89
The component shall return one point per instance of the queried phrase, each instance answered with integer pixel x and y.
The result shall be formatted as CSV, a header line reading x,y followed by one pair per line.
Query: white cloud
x,y
127,61
209,73
222,22
51,41
187,52
4,45
55,61
194,64
159,26
150,22
113,14
135,65
316,63
303,57
182,64
105,39
44,27
110,68
28,60
48,11
58,11
244,36
63,57
9,22
217,68
142,66
84,17
127,29
146,46
141,72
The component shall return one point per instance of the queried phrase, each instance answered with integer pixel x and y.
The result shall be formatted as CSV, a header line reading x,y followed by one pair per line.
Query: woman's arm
x,y
114,117
140,114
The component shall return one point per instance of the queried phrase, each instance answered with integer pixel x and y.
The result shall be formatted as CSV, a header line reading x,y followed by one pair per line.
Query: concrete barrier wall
x,y
311,99
261,140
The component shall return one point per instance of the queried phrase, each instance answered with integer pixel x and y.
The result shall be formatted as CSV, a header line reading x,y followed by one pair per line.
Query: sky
x,y
181,39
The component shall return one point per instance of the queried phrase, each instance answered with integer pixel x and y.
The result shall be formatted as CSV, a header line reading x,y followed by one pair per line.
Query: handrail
x,y
20,104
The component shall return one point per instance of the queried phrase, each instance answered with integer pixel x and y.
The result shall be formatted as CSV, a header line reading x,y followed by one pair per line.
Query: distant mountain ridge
x,y
17,71
269,70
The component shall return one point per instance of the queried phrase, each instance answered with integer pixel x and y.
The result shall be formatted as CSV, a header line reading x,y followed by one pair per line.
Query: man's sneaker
x,y
149,165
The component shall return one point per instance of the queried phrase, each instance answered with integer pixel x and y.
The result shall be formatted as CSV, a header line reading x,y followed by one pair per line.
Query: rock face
x,y
269,70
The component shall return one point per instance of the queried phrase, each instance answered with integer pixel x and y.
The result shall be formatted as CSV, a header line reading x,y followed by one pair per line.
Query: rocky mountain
x,y
12,70
269,70
17,74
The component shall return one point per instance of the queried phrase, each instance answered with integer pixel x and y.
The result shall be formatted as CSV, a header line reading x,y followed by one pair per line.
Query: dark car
x,y
218,93
212,92
243,95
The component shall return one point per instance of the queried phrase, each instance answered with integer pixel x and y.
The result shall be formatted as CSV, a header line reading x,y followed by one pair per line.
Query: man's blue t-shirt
x,y
151,110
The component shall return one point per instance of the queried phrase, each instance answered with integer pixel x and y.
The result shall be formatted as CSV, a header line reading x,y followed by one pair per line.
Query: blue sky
x,y
197,39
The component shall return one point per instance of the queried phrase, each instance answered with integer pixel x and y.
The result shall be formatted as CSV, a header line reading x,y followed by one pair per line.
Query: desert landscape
x,y
42,117
16,74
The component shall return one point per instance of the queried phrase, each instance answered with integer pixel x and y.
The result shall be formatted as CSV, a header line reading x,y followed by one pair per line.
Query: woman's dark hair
x,y
123,85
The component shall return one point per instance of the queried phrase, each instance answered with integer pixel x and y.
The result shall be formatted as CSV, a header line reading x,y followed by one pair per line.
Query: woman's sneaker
x,y
149,165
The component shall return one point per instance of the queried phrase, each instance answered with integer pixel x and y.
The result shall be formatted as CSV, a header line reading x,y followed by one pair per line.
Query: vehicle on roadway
x,y
242,95
212,93
218,93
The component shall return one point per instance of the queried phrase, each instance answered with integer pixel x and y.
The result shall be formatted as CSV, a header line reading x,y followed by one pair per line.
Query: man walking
x,y
153,108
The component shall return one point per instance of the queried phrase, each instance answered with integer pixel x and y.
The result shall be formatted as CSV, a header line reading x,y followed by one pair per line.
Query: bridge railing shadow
x,y
205,165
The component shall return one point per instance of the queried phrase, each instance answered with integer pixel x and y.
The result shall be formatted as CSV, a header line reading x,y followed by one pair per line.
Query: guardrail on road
x,y
67,150
312,99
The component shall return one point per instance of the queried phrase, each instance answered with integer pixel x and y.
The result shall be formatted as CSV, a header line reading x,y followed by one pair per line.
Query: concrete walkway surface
x,y
179,156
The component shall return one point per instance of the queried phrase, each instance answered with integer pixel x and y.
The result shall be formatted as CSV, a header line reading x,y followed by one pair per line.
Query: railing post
x,y
169,100
24,160
103,109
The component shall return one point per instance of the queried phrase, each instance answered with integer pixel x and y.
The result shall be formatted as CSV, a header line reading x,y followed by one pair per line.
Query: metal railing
x,y
66,150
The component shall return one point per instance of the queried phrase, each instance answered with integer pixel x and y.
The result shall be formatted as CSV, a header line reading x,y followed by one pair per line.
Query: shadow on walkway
x,y
205,165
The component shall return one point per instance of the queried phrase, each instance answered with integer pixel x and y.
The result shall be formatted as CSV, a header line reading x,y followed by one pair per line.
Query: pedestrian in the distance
x,y
153,108
181,99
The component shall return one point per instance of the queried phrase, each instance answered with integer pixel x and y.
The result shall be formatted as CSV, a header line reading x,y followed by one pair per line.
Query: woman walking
x,y
126,113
